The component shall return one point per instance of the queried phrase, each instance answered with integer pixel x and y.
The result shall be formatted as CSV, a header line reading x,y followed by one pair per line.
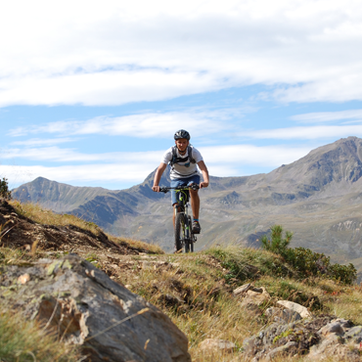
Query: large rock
x,y
321,338
86,307
340,341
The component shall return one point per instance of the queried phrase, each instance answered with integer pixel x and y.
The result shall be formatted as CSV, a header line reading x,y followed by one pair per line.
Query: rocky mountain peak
x,y
309,197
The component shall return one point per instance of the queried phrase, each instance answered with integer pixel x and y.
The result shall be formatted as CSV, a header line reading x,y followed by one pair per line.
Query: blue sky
x,y
91,92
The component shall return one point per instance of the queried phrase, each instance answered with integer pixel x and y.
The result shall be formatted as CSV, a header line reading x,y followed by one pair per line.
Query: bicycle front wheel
x,y
179,231
189,242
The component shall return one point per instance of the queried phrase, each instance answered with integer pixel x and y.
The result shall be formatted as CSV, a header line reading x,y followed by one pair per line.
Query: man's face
x,y
182,144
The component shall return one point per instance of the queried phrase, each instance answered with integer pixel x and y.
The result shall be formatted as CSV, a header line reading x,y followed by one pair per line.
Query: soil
x,y
18,231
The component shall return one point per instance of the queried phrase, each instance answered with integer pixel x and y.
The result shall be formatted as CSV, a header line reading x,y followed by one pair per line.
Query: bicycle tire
x,y
190,240
179,231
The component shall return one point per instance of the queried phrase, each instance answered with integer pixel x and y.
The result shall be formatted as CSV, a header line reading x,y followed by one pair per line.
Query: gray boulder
x,y
84,306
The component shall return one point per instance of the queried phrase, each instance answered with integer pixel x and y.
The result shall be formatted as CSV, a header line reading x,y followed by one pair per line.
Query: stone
x,y
243,289
354,334
303,311
282,315
332,348
294,338
331,328
23,279
253,299
86,307
284,349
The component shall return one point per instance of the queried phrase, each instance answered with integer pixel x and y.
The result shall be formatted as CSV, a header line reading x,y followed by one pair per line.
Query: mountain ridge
x,y
309,197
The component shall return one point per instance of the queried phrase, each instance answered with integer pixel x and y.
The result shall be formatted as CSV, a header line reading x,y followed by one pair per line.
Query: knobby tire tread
x,y
189,243
179,231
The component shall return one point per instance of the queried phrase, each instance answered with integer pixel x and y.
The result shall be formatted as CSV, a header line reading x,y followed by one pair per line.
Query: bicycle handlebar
x,y
180,188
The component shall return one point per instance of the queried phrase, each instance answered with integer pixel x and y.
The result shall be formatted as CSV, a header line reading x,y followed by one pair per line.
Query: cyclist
x,y
184,159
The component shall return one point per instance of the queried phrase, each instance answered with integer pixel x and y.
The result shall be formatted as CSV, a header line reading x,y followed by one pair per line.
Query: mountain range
x,y
318,198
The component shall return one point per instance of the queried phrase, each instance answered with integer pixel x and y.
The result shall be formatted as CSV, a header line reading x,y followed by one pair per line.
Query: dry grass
x,y
194,295
137,244
24,341
201,313
47,217
195,290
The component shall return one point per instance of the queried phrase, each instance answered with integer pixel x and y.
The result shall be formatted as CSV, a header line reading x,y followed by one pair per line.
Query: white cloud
x,y
328,116
220,157
112,52
134,167
104,88
308,133
56,154
199,123
237,156
42,142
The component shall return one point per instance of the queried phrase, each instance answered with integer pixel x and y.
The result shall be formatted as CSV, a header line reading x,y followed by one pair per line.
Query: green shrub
x,y
4,189
244,264
305,261
277,244
234,264
308,262
344,273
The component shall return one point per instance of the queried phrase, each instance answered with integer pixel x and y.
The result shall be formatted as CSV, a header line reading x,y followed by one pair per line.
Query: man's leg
x,y
174,201
195,205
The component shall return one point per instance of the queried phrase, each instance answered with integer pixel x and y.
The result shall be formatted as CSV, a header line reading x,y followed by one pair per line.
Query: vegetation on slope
x,y
195,290
47,217
4,189
305,261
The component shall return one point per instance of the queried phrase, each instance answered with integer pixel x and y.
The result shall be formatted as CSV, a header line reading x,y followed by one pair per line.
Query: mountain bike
x,y
184,237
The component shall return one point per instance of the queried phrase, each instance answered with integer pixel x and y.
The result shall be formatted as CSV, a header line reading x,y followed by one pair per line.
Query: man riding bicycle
x,y
184,159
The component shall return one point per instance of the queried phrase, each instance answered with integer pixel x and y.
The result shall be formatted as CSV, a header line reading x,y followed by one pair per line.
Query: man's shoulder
x,y
195,152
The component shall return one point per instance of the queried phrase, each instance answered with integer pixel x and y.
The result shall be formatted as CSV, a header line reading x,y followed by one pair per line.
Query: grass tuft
x,y
25,341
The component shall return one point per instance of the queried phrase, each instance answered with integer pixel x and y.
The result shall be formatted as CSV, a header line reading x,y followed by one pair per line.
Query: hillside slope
x,y
221,299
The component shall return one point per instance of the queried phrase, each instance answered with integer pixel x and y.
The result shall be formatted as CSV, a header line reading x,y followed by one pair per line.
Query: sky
x,y
92,92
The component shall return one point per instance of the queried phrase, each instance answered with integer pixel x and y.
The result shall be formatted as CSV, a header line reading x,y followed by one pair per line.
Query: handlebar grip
x,y
194,187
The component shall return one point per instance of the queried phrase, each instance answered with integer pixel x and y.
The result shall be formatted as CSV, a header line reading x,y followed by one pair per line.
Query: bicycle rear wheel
x,y
179,231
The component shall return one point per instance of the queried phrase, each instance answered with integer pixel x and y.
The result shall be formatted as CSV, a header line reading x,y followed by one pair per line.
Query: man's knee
x,y
194,192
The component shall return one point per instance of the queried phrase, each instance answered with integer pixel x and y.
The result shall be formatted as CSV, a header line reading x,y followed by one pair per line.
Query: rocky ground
x,y
75,281
81,302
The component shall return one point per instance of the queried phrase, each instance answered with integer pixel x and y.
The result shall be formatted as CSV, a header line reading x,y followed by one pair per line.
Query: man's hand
x,y
205,174
158,175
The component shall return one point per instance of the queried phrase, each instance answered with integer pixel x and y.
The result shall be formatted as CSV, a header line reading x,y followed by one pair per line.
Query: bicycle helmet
x,y
182,134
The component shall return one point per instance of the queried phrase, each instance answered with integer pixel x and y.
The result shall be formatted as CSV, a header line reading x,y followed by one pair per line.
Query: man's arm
x,y
205,174
158,174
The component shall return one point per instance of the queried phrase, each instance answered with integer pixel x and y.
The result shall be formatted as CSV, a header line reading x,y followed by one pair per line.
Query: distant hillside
x,y
317,197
